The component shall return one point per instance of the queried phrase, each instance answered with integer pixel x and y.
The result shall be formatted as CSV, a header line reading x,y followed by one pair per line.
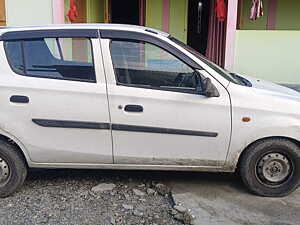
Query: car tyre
x,y
13,169
271,167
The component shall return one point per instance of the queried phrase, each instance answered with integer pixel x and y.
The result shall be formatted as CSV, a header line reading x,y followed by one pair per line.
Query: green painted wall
x,y
67,7
154,14
246,23
95,11
269,55
178,19
288,15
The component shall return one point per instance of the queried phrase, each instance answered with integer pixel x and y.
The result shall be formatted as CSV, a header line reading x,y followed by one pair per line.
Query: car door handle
x,y
134,108
19,99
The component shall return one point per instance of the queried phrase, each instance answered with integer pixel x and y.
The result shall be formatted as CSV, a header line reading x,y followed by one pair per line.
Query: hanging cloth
x,y
221,10
256,9
73,13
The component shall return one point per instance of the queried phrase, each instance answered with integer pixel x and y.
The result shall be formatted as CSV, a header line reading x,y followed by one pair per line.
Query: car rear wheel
x,y
13,169
271,167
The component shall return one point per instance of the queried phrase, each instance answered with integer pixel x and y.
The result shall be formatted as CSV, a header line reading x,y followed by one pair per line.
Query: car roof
x,y
99,26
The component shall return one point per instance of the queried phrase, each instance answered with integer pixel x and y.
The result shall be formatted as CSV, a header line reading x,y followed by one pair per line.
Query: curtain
x,y
142,4
216,37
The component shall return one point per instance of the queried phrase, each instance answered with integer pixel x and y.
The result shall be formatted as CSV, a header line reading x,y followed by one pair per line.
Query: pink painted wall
x,y
271,24
231,34
58,8
166,15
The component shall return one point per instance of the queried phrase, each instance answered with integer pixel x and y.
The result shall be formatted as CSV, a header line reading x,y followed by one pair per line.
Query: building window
x,y
278,15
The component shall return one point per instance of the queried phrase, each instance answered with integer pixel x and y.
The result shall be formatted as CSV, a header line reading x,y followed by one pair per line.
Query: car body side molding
x,y
120,127
71,124
160,130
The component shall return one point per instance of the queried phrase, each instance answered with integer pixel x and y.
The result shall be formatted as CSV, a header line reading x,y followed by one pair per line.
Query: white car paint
x,y
170,110
50,98
274,111
267,85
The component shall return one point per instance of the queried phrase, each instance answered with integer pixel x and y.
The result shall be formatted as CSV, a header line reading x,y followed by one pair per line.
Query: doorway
x,y
2,13
198,24
125,12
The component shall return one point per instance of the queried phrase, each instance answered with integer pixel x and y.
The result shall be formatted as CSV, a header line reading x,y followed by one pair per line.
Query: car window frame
x,y
184,90
48,77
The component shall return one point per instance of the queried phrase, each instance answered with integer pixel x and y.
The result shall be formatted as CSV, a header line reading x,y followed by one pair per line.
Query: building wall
x,y
245,23
154,11
29,12
67,7
269,55
287,15
178,19
95,11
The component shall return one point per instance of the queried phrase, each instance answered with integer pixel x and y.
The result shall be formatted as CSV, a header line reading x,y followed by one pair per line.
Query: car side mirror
x,y
208,89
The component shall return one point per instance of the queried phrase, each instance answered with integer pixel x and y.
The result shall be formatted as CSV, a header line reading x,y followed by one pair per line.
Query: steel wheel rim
x,y
4,171
274,168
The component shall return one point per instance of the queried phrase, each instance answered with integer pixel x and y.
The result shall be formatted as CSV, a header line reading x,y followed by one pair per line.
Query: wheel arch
x,y
18,145
293,140
233,158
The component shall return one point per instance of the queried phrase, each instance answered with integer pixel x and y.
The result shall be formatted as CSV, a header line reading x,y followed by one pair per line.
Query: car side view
x,y
104,96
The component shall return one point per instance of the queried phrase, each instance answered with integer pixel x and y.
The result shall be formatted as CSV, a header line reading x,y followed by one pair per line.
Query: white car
x,y
128,97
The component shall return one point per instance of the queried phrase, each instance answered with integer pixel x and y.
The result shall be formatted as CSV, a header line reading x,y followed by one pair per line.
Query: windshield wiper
x,y
242,79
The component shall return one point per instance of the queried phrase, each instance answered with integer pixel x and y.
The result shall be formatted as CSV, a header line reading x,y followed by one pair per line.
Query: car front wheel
x,y
271,167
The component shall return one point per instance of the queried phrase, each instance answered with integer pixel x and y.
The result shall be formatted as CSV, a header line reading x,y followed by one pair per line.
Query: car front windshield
x,y
212,65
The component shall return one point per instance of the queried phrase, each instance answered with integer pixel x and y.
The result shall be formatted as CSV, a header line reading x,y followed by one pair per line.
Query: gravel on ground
x,y
87,197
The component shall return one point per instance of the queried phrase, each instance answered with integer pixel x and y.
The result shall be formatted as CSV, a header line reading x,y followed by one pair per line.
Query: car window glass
x,y
147,65
15,55
53,46
227,75
59,58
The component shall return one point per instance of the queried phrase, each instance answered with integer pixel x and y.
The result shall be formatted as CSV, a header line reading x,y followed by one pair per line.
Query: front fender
x,y
244,135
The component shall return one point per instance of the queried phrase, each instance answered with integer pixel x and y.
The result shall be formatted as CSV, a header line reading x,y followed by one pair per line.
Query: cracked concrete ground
x,y
222,199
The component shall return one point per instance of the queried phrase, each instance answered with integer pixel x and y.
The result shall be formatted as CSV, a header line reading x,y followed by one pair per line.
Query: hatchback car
x,y
128,97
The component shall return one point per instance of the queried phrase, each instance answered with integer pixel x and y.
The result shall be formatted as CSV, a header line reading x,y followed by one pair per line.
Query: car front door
x,y
158,117
55,94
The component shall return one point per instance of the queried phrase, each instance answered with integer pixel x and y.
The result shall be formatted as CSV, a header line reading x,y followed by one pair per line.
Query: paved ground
x,y
218,199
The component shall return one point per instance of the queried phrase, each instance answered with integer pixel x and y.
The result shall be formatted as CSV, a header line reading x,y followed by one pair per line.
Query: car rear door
x,y
156,114
54,98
